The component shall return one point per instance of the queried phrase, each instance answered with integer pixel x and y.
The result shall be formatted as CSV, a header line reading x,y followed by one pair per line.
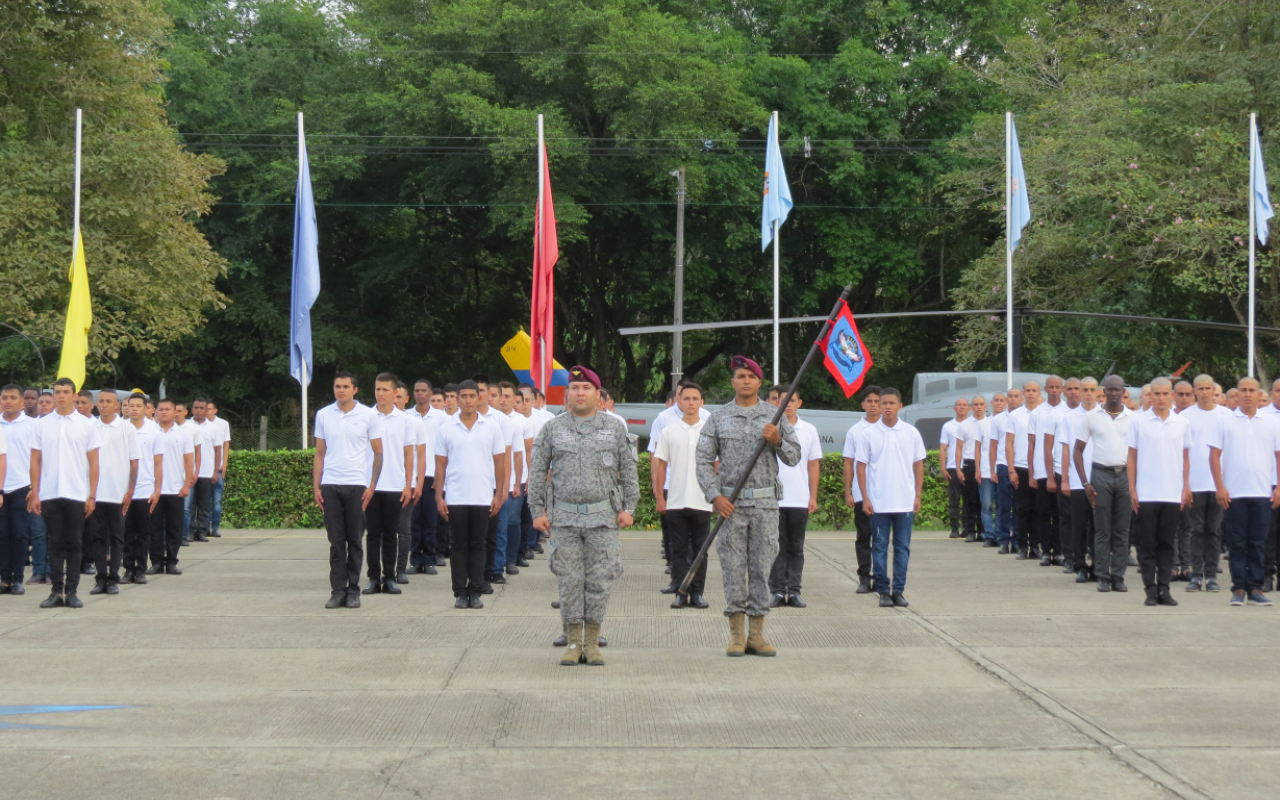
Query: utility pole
x,y
677,337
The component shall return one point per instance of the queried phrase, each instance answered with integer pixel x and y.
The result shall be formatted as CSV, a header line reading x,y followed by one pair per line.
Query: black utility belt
x,y
1119,469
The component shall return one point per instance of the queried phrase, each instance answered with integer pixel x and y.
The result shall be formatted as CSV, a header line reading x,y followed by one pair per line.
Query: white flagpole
x,y
537,244
303,360
1253,232
1008,253
775,274
75,235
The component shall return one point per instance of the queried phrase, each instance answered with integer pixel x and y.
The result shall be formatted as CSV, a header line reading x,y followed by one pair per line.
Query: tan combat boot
x,y
756,645
591,644
573,650
737,640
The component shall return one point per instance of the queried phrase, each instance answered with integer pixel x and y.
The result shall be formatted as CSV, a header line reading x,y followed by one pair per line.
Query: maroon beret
x,y
742,362
584,374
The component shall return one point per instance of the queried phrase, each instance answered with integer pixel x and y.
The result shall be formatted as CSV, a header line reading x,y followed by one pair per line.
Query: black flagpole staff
x,y
782,407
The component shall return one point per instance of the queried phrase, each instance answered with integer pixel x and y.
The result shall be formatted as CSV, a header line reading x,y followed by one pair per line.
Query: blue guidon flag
x,y
844,354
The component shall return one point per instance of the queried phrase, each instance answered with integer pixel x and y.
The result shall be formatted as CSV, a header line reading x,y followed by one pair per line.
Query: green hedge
x,y
273,490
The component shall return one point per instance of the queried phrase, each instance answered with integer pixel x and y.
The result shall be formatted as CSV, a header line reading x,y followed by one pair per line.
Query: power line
x,y
597,53
613,205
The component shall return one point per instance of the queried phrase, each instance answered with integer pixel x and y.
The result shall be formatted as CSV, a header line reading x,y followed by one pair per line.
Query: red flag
x,y
847,359
546,251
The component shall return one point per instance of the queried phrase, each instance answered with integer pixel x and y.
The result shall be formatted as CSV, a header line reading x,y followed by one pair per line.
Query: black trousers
x,y
953,498
424,523
666,537
1023,511
687,529
404,536
201,506
105,541
64,520
344,524
971,493
15,535
137,535
469,558
382,523
1047,518
490,544
1081,529
788,567
167,522
1066,531
1159,524
862,543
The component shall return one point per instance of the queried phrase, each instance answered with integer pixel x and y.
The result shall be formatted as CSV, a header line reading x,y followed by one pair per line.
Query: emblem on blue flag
x,y
844,353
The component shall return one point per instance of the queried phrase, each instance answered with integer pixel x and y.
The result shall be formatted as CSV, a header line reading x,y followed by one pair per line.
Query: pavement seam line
x,y
1119,749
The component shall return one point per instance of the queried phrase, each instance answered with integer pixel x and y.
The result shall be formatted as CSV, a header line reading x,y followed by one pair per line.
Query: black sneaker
x,y
1004,549
463,601
54,600
475,601
353,601
337,601
1104,584
1256,597
899,601
497,578
429,570
1046,561
1195,584
886,600
1118,586
522,562
512,569
74,602
1211,585
1022,554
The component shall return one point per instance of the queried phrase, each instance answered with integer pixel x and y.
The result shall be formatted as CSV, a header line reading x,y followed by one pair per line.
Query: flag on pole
x,y
75,338
777,192
1019,206
1258,186
847,359
546,251
306,270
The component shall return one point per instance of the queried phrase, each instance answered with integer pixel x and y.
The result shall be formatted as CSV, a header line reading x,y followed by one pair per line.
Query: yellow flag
x,y
75,339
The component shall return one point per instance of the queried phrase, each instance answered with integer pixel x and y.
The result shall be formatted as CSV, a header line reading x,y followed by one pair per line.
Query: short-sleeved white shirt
x,y
1109,436
524,432
850,450
210,434
795,480
1160,445
999,427
197,440
985,425
173,444
64,442
149,446
397,433
1202,424
346,441
1248,446
1066,436
510,432
678,446
1272,413
665,417
1045,418
425,441
1020,426
223,436
950,429
890,455
469,478
120,446
18,437
969,431
430,429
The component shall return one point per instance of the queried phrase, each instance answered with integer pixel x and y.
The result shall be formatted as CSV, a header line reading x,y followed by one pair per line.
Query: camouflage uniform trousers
x,y
747,546
586,561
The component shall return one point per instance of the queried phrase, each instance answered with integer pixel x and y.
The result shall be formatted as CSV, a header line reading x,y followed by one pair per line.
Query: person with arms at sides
x,y
1050,451
669,415
528,533
17,432
1006,517
451,399
1043,466
1244,457
415,480
1159,469
392,491
1107,429
489,395
685,512
208,465
84,407
146,491
30,399
1272,411
471,474
799,500
511,555
35,523
425,519
853,492
64,483
175,470
891,476
968,436
343,482
189,426
1017,439
949,457
222,437
1203,517
118,473
1184,397
1078,520
986,471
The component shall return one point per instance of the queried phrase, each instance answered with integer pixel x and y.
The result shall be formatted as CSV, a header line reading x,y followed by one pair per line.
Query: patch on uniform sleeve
x,y
608,459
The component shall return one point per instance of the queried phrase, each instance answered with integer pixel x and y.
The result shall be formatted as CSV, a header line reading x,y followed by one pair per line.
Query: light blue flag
x,y
777,192
1258,186
1019,206
306,271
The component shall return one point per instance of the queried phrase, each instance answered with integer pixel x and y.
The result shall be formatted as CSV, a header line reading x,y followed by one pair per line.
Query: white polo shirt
x,y
197,440
950,429
1067,436
678,446
985,426
536,421
890,455
150,445
223,435
210,434
665,418
397,434
64,442
524,432
1202,424
469,478
172,445
969,431
425,441
18,437
120,446
510,432
1019,425
346,439
850,450
1272,413
1160,445
1248,446
1109,436
1046,419
999,427
795,480
429,430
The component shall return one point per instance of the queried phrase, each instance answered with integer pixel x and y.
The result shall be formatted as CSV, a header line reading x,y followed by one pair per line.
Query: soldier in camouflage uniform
x,y
748,539
582,488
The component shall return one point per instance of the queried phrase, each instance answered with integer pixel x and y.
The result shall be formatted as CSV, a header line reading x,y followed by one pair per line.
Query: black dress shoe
x,y
1034,552
172,571
671,588
560,641
412,569
430,570
778,601
53,601
864,586
796,601
537,548
512,569
498,578
899,601
956,535
138,577
990,543
5,588
1151,596
698,601
73,602
522,562
1104,584
17,588
372,587
1068,568
886,601
353,601
973,537
486,589
1164,598
1022,554
200,537
186,542
1082,576
1118,586
402,577
1046,561
1004,549
390,587
89,569
678,601
155,569
555,603
215,534
463,601
475,601
1058,561
337,601
98,588
440,562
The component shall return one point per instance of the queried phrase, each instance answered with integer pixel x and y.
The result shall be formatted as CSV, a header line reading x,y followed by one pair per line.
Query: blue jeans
x,y
987,495
515,527
1247,521
1004,505
507,515
218,485
881,526
39,544
186,513
423,524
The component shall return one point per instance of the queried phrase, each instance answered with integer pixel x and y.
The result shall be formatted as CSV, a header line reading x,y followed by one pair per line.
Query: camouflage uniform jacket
x,y
583,461
730,435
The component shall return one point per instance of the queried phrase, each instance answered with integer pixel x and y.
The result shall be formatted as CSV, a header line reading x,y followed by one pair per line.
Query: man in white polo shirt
x,y
986,471
471,475
525,407
175,475
799,500
1006,529
427,550
1043,466
208,466
118,473
685,512
1244,457
1203,517
512,556
891,476
950,459
853,493
1107,428
17,431
146,491
419,435
489,396
392,491
1078,532
343,482
1272,410
1052,452
666,417
64,483
968,437
185,423
1018,434
223,437
1159,468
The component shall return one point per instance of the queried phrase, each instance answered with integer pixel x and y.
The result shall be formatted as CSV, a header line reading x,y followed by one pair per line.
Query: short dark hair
x,y
889,391
386,377
167,400
505,385
436,390
83,393
689,385
65,382
783,388
422,380
340,374
204,400
177,403
102,392
35,389
138,396
870,390
13,387
604,393
472,385
522,386
478,379
452,387
401,385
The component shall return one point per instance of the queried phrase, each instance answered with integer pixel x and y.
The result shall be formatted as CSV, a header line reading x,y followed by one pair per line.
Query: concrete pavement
x,y
1003,679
